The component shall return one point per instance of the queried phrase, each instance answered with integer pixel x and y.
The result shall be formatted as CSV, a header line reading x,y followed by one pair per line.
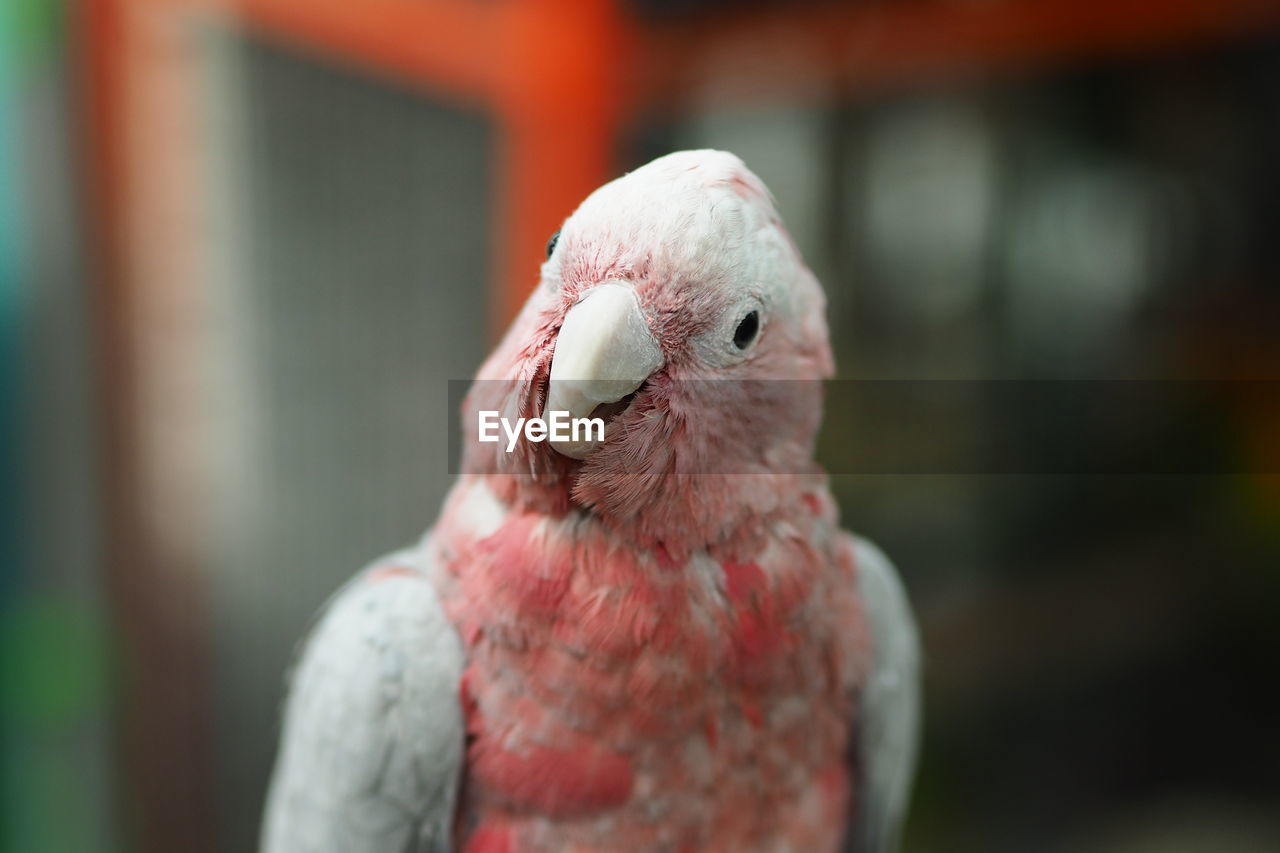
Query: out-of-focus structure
x,y
249,241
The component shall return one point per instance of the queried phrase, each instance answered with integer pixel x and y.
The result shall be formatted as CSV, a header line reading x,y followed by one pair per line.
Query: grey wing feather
x,y
372,746
888,728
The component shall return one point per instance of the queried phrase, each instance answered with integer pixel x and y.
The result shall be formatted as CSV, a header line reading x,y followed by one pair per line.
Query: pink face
x,y
674,305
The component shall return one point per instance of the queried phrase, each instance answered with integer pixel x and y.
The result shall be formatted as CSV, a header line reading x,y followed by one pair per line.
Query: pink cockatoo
x,y
658,640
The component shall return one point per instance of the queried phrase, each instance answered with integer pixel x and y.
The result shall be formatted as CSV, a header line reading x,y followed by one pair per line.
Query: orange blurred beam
x,y
558,105
163,708
456,47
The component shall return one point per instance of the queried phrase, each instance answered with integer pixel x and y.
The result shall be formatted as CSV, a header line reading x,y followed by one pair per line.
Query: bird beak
x,y
603,353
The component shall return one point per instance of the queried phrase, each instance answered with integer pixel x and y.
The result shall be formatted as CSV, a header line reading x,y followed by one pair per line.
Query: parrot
x,y
654,638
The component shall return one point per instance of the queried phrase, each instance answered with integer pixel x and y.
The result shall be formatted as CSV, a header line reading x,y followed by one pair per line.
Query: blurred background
x,y
245,243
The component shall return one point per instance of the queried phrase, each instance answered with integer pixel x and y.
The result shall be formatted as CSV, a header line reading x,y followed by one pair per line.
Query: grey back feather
x,y
889,713
372,746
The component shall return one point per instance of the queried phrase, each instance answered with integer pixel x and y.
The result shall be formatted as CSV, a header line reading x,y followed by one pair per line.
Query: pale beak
x,y
603,353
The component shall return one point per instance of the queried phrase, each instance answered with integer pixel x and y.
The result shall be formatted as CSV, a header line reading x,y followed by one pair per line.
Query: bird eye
x,y
746,331
551,244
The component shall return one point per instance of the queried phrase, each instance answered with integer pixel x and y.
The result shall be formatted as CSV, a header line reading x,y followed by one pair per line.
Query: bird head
x,y
674,305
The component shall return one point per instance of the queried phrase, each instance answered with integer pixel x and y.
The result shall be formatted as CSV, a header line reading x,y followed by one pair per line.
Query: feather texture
x,y
889,717
373,735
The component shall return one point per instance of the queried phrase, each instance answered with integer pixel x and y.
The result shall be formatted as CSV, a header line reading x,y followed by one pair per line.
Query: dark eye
x,y
551,244
746,331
